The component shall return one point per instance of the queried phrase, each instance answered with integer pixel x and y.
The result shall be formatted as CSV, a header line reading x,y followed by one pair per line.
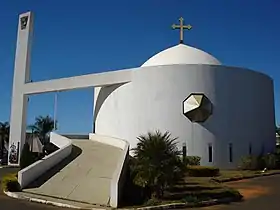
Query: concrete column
x,y
95,109
21,76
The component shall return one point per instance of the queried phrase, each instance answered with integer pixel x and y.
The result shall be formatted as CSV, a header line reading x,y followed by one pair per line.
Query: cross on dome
x,y
181,27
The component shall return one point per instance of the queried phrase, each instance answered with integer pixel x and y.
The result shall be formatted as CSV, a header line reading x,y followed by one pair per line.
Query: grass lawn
x,y
196,189
199,189
230,174
192,190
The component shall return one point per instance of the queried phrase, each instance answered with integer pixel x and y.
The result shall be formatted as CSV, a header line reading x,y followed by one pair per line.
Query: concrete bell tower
x,y
21,76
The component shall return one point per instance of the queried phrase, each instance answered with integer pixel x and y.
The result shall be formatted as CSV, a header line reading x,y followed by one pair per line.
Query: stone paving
x,y
85,177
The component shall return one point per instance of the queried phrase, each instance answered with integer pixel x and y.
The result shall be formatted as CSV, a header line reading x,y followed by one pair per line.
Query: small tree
x,y
157,162
42,127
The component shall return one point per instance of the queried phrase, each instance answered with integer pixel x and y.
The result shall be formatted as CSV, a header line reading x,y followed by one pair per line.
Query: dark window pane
x,y
210,152
250,149
230,152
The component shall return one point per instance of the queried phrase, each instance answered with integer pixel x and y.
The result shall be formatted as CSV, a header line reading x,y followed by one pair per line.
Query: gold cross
x,y
181,27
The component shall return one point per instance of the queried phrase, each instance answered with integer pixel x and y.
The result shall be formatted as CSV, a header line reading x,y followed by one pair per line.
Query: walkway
x,y
84,176
13,204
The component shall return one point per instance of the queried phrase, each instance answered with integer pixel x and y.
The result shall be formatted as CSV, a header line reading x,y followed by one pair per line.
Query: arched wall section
x,y
243,109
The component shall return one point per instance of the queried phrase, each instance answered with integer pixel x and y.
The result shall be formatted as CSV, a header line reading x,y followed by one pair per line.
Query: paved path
x,y
7,203
260,194
86,178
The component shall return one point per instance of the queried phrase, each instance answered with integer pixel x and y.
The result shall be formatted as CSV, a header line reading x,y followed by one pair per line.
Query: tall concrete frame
x,y
22,87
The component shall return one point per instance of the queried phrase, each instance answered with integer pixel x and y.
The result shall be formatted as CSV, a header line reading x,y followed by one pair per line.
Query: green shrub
x,y
191,199
203,171
10,183
277,160
192,160
246,163
249,162
270,161
277,150
259,162
232,193
152,202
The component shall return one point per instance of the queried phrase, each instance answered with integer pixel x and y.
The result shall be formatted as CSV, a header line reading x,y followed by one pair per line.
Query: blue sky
x,y
80,37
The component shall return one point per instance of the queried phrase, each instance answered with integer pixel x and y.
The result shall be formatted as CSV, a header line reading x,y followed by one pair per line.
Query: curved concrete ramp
x,y
85,176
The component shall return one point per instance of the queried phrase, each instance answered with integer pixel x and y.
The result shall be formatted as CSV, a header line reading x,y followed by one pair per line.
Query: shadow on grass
x,y
201,195
76,151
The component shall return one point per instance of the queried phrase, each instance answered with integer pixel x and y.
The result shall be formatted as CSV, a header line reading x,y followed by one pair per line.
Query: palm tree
x,y
157,162
42,127
4,135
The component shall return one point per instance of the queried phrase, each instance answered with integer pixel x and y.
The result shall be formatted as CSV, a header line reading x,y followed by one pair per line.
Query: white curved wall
x,y
243,109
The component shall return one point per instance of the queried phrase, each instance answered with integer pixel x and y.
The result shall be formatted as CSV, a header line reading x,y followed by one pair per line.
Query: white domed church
x,y
218,112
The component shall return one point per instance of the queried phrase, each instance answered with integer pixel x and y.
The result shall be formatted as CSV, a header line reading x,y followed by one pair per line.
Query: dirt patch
x,y
248,193
254,191
249,190
242,181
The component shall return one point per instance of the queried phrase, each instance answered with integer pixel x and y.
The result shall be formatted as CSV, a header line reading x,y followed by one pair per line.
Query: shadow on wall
x,y
102,96
76,151
208,123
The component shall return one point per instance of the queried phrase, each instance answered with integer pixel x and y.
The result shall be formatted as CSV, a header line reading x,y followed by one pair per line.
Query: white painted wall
x,y
115,142
243,112
35,170
119,176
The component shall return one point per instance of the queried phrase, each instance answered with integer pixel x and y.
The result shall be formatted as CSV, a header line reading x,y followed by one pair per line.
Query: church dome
x,y
181,54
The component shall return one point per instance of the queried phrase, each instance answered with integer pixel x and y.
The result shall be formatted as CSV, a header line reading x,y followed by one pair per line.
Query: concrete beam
x,y
78,82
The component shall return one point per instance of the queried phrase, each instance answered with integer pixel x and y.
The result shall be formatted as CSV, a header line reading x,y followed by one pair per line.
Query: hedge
x,y
203,171
259,162
192,160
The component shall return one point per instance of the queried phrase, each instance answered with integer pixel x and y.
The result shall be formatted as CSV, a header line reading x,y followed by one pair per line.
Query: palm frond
x,y
42,126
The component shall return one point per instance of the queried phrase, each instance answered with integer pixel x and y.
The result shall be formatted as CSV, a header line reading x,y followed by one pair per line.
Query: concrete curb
x,y
164,206
187,205
16,196
244,177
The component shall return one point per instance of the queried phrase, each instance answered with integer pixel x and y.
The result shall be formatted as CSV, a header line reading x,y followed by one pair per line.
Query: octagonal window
x,y
197,107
